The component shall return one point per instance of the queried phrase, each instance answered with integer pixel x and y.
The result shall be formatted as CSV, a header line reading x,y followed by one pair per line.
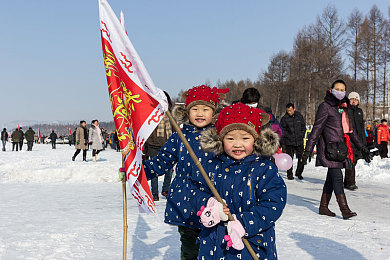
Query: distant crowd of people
x,y
83,138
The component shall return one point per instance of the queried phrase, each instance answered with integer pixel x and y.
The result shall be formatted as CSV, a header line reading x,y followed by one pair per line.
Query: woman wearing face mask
x,y
333,131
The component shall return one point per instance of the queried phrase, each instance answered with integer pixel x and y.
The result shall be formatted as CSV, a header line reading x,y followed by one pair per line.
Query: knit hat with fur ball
x,y
241,117
204,95
200,95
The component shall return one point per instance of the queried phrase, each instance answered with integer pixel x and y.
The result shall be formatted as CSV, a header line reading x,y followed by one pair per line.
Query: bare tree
x,y
354,24
275,78
375,25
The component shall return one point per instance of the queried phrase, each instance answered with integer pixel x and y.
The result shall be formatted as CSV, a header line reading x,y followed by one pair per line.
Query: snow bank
x,y
376,171
45,165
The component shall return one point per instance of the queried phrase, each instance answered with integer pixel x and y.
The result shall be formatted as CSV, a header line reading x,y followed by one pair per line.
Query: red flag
x,y
137,105
18,127
39,134
70,131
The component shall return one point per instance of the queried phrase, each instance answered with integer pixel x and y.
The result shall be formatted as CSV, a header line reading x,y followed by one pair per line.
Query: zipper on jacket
x,y
212,178
249,183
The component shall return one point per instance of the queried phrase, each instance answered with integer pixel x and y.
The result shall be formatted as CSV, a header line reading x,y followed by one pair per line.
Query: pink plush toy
x,y
235,232
212,214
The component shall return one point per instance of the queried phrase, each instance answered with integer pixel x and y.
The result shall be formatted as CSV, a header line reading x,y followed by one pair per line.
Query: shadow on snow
x,y
142,250
323,248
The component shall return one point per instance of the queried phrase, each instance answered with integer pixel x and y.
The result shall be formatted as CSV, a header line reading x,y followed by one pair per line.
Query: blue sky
x,y
52,66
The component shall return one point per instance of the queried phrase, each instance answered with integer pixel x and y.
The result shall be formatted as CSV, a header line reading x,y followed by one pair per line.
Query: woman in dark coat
x,y
333,131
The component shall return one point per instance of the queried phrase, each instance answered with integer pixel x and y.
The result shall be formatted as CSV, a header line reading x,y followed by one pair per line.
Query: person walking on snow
x,y
81,140
21,138
383,137
355,114
16,136
95,139
53,139
4,138
294,127
30,135
333,133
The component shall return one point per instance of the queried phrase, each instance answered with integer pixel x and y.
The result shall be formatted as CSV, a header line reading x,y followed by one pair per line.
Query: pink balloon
x,y
283,161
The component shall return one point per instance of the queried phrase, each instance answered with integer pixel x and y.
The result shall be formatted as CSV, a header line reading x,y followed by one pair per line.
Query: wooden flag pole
x,y
206,177
124,179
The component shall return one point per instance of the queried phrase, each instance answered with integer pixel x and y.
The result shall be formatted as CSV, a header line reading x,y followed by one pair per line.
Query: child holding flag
x,y
200,105
246,179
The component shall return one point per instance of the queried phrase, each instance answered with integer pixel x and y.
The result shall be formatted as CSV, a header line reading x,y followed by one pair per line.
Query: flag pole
x,y
206,177
124,180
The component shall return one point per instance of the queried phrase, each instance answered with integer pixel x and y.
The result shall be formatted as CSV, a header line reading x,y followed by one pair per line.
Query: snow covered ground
x,y
53,208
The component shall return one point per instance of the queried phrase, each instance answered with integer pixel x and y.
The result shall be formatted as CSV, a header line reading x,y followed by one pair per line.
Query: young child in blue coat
x,y
200,104
246,179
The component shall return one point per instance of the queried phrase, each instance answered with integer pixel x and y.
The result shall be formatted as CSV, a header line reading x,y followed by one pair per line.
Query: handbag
x,y
336,151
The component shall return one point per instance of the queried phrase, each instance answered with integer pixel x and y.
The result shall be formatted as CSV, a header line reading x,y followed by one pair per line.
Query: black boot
x,y
345,211
84,158
324,210
73,158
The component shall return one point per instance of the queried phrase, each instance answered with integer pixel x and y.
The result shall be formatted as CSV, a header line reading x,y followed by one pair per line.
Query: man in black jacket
x,y
22,138
294,127
53,139
4,138
355,115
30,134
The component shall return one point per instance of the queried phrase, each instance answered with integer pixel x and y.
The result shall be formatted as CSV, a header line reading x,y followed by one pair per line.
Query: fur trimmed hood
x,y
180,113
265,145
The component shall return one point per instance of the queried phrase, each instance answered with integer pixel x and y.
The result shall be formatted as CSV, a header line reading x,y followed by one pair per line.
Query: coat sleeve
x,y
77,135
90,135
271,196
303,125
319,125
166,158
356,140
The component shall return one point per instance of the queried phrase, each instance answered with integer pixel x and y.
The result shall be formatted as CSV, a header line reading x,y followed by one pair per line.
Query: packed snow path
x,y
53,208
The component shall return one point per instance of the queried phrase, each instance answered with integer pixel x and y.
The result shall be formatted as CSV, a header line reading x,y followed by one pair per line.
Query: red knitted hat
x,y
204,95
241,117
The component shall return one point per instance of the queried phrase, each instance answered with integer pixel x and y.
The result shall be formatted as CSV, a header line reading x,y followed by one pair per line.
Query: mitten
x,y
306,155
212,214
121,174
367,156
235,233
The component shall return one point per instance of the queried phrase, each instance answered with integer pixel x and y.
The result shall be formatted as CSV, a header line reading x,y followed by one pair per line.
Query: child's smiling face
x,y
201,115
238,144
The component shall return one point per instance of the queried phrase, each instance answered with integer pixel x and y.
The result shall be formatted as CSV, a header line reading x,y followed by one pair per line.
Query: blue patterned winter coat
x,y
254,192
178,209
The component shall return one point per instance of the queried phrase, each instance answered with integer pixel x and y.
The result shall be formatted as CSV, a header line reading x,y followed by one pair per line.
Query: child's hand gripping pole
x,y
206,177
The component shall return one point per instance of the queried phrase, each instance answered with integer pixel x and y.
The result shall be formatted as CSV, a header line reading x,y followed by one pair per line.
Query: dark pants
x,y
383,150
189,247
4,143
20,145
298,151
334,182
53,144
30,145
117,147
95,152
350,174
84,154
153,151
15,145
